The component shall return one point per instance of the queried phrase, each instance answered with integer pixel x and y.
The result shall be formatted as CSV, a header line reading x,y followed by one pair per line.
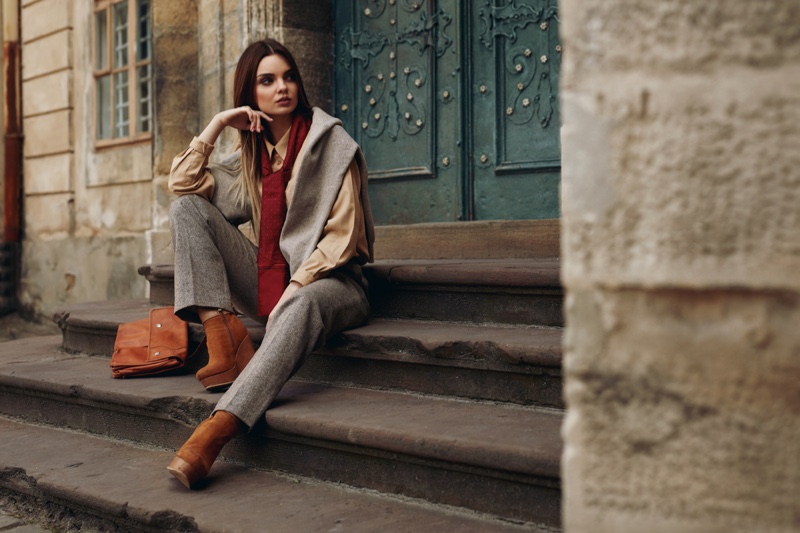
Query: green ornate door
x,y
455,104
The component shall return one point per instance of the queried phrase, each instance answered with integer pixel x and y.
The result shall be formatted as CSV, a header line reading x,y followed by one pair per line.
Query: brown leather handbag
x,y
153,345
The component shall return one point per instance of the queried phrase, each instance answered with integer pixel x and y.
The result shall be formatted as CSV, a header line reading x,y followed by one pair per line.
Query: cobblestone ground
x,y
14,326
12,524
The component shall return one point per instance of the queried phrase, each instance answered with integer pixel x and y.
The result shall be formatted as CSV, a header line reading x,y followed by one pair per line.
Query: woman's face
x,y
276,86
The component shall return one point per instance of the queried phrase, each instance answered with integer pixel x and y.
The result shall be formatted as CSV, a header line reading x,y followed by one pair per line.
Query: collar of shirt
x,y
277,152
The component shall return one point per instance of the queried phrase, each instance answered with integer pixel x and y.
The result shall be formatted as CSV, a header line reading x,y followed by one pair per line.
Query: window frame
x,y
132,67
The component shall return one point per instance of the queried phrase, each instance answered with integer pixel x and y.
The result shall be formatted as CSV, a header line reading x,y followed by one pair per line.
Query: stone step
x,y
506,291
503,459
502,363
81,482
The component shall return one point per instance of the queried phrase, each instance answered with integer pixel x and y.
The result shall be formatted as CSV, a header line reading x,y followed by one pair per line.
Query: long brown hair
x,y
244,83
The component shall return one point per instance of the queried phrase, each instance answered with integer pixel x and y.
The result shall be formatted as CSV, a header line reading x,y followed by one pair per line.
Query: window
x,y
123,71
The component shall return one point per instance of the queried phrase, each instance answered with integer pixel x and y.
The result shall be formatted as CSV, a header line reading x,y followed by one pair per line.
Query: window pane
x,y
103,89
144,98
101,40
143,30
121,104
120,34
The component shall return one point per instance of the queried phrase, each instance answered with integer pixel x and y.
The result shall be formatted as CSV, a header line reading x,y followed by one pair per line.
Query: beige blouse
x,y
344,235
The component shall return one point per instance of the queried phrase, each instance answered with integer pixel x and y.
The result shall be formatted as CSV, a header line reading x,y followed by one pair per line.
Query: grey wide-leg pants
x,y
215,266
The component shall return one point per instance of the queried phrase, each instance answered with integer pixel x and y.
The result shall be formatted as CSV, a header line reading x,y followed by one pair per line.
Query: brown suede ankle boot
x,y
229,351
193,461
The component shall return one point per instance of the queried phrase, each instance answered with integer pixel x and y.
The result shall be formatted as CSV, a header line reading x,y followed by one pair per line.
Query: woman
x,y
302,183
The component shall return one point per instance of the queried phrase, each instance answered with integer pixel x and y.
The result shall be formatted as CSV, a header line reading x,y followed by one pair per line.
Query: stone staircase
x,y
441,414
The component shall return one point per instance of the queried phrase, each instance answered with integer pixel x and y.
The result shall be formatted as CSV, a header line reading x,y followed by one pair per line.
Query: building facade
x,y
678,206
113,89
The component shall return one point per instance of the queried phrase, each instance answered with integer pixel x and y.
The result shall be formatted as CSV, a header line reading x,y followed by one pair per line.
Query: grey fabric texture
x,y
327,153
216,265
301,324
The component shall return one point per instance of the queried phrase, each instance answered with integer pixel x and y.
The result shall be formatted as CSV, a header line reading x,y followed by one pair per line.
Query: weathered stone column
x,y
681,261
175,59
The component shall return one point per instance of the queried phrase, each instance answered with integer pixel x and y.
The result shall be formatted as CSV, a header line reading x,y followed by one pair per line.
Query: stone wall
x,y
681,260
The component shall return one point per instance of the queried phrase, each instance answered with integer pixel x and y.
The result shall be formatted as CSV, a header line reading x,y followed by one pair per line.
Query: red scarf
x,y
273,271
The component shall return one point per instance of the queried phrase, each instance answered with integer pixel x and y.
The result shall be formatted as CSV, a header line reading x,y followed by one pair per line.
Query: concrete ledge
x,y
517,364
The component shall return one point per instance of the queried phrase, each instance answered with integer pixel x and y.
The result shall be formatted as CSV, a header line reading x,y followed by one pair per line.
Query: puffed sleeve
x,y
189,173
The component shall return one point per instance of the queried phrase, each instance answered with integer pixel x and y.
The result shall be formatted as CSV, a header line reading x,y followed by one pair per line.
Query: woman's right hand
x,y
243,118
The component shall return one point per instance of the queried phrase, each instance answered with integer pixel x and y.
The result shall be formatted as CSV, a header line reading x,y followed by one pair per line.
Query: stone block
x,y
49,216
173,138
47,55
678,35
313,52
176,94
315,16
682,411
47,93
48,174
689,180
235,40
174,14
48,134
209,22
43,18
123,164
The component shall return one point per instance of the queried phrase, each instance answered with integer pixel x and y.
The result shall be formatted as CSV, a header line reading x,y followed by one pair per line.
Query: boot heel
x,y
195,458
183,472
244,354
221,381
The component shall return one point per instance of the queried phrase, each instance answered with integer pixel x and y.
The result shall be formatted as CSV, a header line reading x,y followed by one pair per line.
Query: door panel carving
x,y
402,66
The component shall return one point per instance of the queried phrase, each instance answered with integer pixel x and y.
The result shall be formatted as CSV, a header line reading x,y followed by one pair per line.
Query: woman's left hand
x,y
292,288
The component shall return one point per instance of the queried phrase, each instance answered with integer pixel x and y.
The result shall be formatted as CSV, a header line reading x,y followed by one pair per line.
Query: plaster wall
x,y
680,257
86,208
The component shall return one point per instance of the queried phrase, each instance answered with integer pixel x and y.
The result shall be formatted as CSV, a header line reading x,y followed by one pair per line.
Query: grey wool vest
x,y
327,153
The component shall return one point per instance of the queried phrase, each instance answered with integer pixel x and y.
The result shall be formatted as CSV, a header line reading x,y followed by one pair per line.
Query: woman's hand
x,y
243,118
240,118
292,288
